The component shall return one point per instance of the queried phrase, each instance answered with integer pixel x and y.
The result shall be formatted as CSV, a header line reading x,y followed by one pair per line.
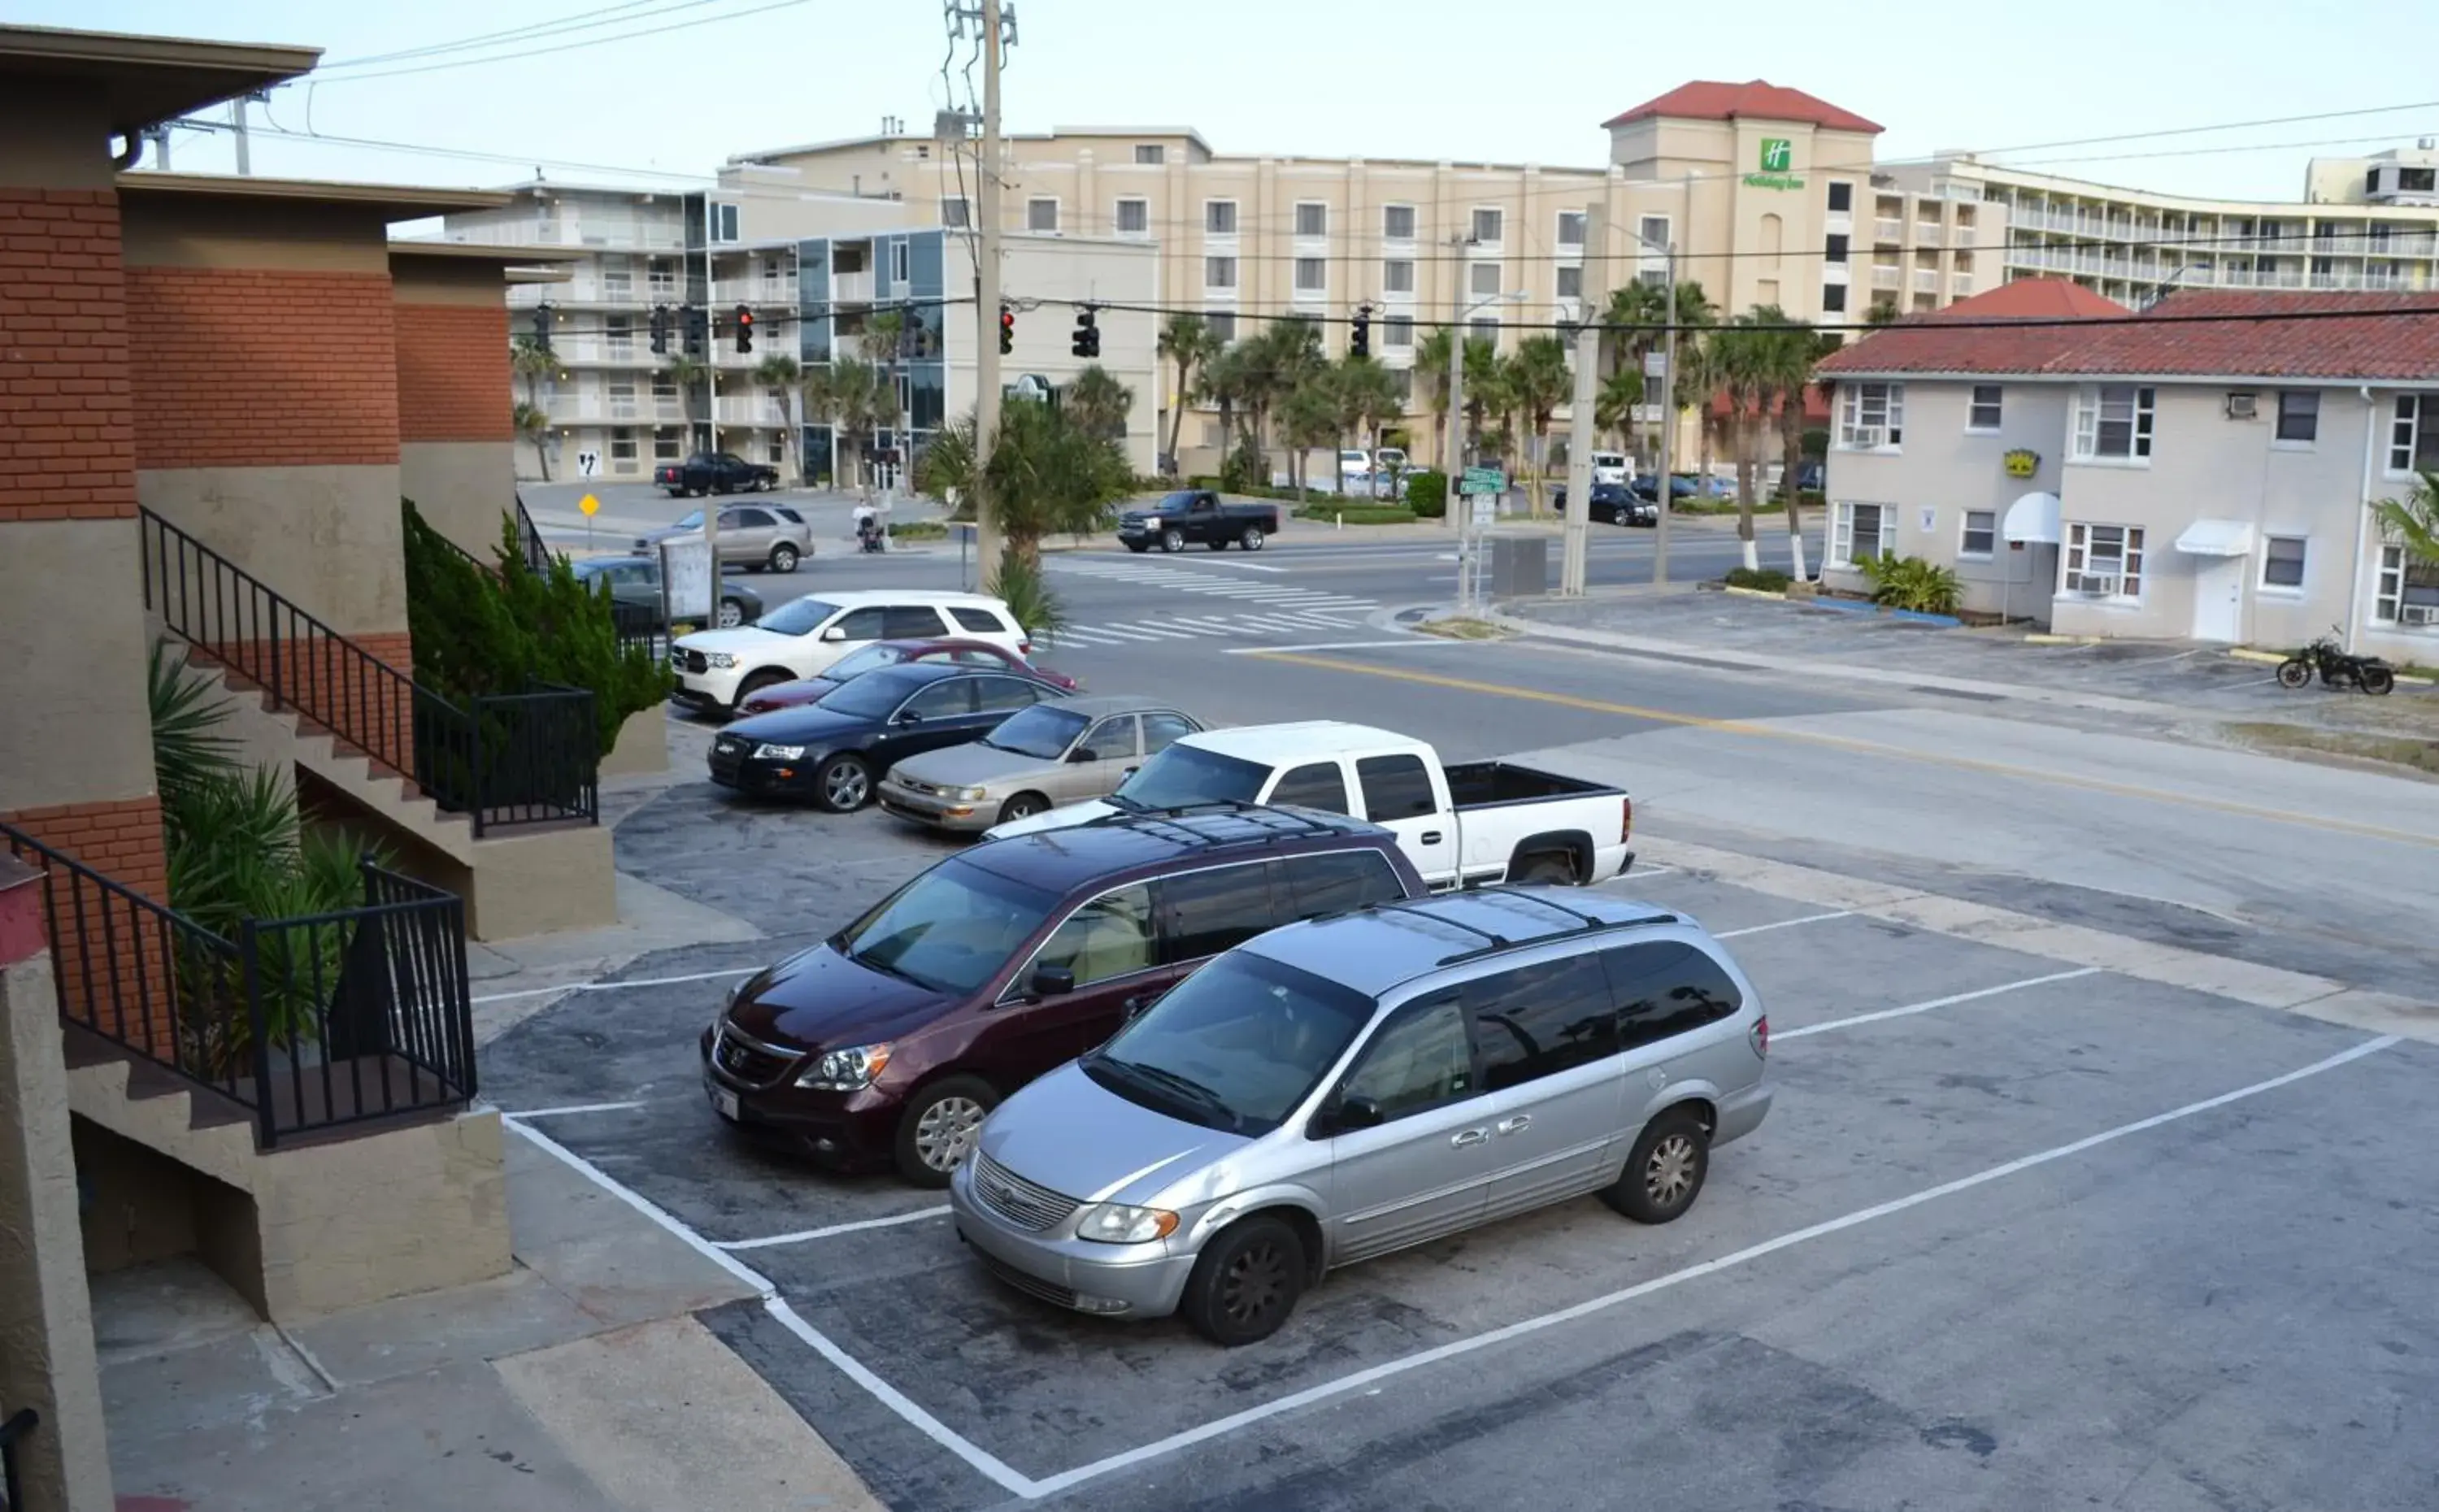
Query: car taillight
x,y
1625,820
1025,647
1760,1036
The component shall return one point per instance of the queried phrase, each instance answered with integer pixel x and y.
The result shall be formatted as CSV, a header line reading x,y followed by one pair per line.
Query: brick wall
x,y
114,960
452,373
66,431
262,368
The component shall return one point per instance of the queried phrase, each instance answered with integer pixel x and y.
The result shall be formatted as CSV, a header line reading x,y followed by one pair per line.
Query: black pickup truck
x,y
713,472
1197,514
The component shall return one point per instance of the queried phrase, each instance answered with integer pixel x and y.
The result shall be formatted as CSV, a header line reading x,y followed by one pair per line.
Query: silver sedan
x,y
1052,753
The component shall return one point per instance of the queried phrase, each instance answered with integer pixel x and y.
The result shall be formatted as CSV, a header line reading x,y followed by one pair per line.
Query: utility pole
x,y
1581,423
1456,392
237,119
987,545
710,410
1667,426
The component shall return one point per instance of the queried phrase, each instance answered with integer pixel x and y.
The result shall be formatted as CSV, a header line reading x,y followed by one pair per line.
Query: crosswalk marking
x,y
1176,580
1205,627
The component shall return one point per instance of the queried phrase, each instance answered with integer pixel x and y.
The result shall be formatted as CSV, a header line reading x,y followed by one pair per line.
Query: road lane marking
x,y
1949,1002
808,1235
1341,646
1458,1348
1872,748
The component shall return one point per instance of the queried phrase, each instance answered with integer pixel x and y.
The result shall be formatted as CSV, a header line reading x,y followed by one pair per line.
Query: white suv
x,y
717,668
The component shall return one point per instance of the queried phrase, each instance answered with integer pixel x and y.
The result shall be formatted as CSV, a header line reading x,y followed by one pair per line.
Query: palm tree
x,y
855,399
1537,382
1643,309
1883,312
531,363
1482,379
1788,361
2413,521
1099,404
1367,394
686,374
533,422
1620,395
1745,357
1432,371
1277,362
1186,341
783,376
1049,476
1224,383
1309,418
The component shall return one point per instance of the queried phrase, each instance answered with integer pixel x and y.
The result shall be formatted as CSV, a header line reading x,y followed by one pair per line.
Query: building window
x,y
1404,378
1397,331
1312,220
1312,274
1834,247
1219,218
1982,414
1979,537
1871,417
1571,282
1397,222
2299,415
2112,423
1041,215
1222,324
665,445
1398,277
2413,439
1860,532
1151,153
664,389
2409,591
1570,229
620,330
724,223
622,444
1483,328
1483,279
2281,561
1134,216
777,451
2104,559
1842,198
1486,226
1833,298
1652,277
957,212
902,262
1219,273
1654,231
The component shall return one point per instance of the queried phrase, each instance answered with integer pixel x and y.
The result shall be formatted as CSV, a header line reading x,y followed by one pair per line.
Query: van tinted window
x,y
1418,1061
1340,880
1317,786
1535,1021
1394,786
1207,912
980,621
1662,987
910,622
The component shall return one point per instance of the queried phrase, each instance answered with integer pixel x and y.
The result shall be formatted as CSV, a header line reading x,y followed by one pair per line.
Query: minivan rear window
x,y
1664,987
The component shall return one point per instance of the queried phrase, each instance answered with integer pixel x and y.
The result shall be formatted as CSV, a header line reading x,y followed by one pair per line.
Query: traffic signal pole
x,y
988,544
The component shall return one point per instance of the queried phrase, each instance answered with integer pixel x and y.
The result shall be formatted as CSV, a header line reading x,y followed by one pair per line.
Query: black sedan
x,y
1613,505
633,584
833,751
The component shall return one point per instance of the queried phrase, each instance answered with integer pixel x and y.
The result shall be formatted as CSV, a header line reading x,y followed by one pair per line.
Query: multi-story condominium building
x,y
2206,476
1767,193
814,268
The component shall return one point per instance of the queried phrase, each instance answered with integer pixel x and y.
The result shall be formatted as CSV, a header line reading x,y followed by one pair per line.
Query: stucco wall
x,y
462,488
328,539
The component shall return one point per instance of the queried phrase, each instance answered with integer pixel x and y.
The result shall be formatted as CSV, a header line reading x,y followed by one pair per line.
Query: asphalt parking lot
x,y
2000,1243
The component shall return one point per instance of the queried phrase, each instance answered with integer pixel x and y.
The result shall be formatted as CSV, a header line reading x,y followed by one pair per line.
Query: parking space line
x,y
606,987
1950,1001
573,1108
1387,1370
1784,924
808,1235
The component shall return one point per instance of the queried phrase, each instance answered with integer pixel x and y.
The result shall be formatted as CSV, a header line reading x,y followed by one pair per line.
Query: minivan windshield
x,y
1043,732
1185,776
800,616
948,930
1237,1045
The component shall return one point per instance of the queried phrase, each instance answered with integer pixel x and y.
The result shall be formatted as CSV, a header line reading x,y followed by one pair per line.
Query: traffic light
x,y
1087,341
541,319
744,329
1007,330
1359,336
698,331
660,330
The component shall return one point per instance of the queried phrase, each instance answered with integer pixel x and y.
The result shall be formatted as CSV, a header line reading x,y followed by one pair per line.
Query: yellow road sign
x,y
590,504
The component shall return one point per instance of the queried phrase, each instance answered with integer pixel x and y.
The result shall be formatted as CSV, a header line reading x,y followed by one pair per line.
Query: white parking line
x,y
806,1236
607,987
1912,1008
1785,923
1602,1304
573,1108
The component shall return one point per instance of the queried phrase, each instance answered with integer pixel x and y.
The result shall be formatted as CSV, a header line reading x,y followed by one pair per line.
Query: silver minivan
x,y
1349,1086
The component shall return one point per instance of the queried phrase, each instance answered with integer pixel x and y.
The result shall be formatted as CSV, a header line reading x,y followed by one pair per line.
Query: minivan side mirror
x,y
1352,1113
1053,981
836,633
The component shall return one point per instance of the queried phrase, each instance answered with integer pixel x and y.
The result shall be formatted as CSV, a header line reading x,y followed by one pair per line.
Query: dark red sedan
x,y
889,653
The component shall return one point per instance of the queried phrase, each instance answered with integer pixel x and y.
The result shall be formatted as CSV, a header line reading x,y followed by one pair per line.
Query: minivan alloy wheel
x,y
1254,1283
1669,1173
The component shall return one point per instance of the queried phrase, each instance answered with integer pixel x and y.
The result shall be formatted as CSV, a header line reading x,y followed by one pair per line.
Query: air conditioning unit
x,y
2093,585
2242,406
2418,614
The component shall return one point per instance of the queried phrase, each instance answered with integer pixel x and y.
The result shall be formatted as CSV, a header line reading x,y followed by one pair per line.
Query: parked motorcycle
x,y
2337,667
871,536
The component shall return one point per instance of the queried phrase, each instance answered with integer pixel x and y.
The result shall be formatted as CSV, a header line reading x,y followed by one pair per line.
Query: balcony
x,y
850,289
762,409
1929,234
595,409
757,292
1961,285
1887,277
1887,229
1926,280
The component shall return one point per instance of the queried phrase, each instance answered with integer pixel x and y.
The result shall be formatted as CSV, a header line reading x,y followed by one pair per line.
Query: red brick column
x,y
452,373
68,448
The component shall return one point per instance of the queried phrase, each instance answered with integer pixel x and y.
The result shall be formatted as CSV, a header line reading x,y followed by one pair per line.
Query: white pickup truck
x,y
1461,826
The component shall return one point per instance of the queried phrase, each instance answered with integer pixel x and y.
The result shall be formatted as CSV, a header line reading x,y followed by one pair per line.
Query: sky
x,y
1514,81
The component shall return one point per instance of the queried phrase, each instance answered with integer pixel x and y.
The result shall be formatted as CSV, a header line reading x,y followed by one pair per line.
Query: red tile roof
x,y
2354,337
1707,100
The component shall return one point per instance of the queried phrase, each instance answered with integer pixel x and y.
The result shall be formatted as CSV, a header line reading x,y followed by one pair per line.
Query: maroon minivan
x,y
891,1041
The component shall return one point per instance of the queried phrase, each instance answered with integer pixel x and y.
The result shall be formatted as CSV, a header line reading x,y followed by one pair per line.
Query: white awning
x,y
2033,518
2217,538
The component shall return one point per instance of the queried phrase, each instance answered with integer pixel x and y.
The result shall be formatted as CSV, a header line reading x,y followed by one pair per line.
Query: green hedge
x,y
1329,512
1427,493
1769,579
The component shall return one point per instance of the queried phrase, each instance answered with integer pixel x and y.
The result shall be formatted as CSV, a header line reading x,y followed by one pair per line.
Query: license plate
x,y
724,1102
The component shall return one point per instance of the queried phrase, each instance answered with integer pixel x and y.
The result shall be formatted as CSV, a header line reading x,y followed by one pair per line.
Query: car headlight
x,y
778,752
1117,1223
849,1070
720,659
970,794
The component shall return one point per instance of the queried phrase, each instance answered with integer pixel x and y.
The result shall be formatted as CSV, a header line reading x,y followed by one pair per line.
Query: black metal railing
x,y
307,1023
529,541
19,1423
484,761
638,626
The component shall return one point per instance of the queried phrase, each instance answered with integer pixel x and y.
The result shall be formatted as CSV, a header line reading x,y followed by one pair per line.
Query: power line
x,y
577,21
567,47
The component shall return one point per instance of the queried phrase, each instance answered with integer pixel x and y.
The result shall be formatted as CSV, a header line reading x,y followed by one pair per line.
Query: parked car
x,y
1390,459
1609,467
831,752
713,472
1197,514
1050,753
1353,463
752,536
889,1043
1340,1088
1464,825
1647,486
716,669
890,653
1611,504
633,584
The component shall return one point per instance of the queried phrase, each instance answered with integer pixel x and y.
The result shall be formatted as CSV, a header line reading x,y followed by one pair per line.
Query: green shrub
x,y
1912,583
1427,493
1246,471
920,530
1767,579
1328,512
1021,583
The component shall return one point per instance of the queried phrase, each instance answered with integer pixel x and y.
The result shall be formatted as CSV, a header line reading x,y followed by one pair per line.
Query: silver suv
x,y
1342,1088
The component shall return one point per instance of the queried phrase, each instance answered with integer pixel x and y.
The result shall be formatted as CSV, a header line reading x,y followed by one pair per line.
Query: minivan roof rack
x,y
1496,942
1279,823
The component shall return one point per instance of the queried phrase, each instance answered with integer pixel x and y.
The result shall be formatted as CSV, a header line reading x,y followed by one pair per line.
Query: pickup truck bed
x,y
1482,784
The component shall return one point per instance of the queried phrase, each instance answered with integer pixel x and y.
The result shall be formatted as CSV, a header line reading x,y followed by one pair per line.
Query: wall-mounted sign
x,y
2021,463
1777,157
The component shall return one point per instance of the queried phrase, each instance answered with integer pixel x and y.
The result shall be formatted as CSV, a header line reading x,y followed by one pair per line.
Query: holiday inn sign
x,y
1777,157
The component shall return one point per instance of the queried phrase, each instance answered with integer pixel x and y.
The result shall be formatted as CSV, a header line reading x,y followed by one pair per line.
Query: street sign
x,y
1655,364
685,576
1483,480
588,464
1486,510
590,504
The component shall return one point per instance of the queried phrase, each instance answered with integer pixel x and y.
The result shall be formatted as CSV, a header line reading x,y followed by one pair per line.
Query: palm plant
x,y
531,363
944,469
1745,352
1277,364
1482,380
1788,363
1367,396
1432,357
856,400
783,376
1224,383
1048,475
1188,342
1643,310
1309,418
533,422
1099,404
2413,521
1537,382
1613,406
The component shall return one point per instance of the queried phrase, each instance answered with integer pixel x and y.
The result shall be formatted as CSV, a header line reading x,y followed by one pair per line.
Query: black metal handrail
x,y
538,757
529,541
307,1023
19,1423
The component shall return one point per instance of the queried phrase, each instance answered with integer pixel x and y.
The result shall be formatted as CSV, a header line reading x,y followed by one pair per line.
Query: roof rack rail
x,y
1597,926
1587,924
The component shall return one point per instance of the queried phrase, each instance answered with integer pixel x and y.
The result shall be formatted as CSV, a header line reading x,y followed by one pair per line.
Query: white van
x,y
1611,467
